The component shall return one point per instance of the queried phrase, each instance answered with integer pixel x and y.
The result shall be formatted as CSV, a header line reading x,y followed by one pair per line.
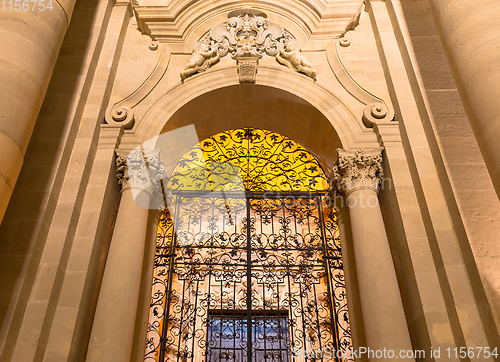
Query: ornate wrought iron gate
x,y
255,273
253,279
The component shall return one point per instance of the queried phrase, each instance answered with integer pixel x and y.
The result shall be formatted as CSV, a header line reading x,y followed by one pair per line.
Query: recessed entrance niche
x,y
248,264
261,107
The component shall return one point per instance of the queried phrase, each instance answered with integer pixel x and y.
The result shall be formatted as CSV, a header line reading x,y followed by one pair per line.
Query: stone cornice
x,y
356,170
175,22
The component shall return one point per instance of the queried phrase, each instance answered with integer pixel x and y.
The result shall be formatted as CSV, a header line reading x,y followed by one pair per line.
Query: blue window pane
x,y
227,338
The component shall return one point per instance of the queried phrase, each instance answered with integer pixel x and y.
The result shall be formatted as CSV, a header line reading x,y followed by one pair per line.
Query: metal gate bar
x,y
286,251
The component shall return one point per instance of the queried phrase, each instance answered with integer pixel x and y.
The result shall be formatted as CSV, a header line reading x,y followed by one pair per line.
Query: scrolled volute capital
x,y
132,170
375,113
160,194
356,170
156,166
120,114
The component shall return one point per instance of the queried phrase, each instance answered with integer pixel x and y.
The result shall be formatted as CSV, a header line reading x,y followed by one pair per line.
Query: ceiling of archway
x,y
262,107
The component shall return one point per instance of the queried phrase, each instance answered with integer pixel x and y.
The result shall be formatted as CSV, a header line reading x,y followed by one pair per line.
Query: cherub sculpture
x,y
291,57
201,60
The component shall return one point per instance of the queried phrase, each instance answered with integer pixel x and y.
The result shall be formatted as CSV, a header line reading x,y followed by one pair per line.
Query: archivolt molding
x,y
351,132
180,20
121,111
377,109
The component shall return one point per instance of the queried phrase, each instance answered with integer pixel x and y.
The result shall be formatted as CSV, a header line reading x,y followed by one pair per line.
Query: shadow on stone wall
x,y
474,206
22,234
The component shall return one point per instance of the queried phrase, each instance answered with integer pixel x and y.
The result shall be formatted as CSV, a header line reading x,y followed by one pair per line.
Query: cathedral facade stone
x,y
395,100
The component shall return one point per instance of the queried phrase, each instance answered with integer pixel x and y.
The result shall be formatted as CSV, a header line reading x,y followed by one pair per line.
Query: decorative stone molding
x,y
349,128
122,172
110,137
346,80
172,20
376,110
202,59
132,171
153,46
156,166
121,112
291,57
140,175
160,195
125,3
247,34
375,113
354,21
344,42
355,171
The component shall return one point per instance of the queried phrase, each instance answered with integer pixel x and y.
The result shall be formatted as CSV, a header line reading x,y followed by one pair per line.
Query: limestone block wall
x,y
24,230
52,140
30,41
53,239
470,194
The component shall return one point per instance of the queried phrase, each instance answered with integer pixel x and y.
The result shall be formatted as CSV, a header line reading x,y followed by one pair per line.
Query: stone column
x,y
113,329
142,322
469,33
357,176
30,39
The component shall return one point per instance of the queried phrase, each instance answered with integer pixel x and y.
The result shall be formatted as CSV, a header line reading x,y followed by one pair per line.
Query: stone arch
x,y
200,99
204,301
214,101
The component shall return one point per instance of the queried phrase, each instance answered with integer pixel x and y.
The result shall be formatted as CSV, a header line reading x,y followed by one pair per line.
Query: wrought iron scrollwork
x,y
255,283
266,160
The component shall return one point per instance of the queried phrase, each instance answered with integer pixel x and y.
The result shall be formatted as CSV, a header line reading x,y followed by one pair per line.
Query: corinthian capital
x,y
143,172
132,171
355,170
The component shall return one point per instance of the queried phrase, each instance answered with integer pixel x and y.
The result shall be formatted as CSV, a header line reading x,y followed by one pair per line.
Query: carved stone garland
x,y
122,172
247,36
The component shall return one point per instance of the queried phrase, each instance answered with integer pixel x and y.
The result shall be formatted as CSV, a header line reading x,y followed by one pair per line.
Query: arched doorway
x,y
322,128
248,265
